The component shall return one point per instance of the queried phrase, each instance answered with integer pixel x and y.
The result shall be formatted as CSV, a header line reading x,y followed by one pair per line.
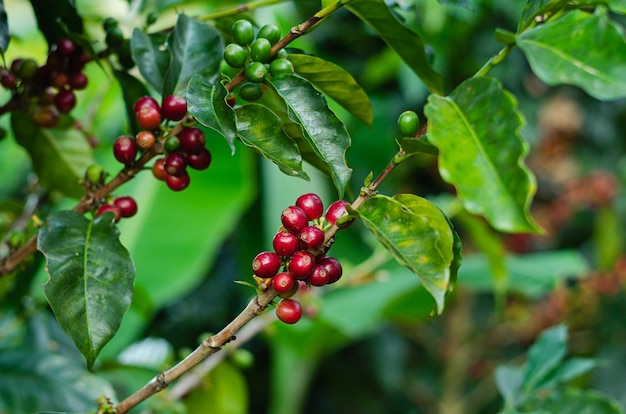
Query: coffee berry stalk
x,y
299,259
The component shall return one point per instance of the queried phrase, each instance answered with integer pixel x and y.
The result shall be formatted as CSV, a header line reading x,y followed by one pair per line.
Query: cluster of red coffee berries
x,y
49,88
299,251
122,207
253,54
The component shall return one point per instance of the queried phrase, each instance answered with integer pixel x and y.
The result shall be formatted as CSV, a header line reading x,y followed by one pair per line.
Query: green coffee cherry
x,y
281,54
95,173
243,32
235,55
109,23
270,32
281,66
256,72
408,123
152,18
250,91
260,50
171,144
114,37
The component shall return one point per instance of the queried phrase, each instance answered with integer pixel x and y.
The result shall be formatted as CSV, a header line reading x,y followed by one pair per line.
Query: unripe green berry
x,y
408,123
270,32
256,72
250,91
281,66
260,50
243,32
95,173
114,37
171,144
235,55
109,23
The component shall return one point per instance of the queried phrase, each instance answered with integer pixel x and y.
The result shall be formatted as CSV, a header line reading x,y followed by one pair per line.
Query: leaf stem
x,y
494,61
242,8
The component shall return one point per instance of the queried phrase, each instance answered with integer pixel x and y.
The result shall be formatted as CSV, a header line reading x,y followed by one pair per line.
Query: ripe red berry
x,y
78,80
46,116
174,107
294,219
266,264
283,282
337,210
78,60
312,237
59,80
145,140
301,264
285,243
127,206
124,149
333,268
192,140
289,311
177,182
175,163
158,169
65,101
311,204
109,207
65,47
319,276
148,118
200,161
146,101
8,80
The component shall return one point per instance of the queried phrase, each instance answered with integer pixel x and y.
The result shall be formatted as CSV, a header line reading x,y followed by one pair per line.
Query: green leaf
x,y
261,129
33,380
545,355
418,235
225,391
534,8
322,131
618,6
457,3
196,49
418,146
509,381
91,278
5,36
48,18
207,103
406,43
582,49
59,155
151,56
132,89
581,402
568,371
481,153
336,83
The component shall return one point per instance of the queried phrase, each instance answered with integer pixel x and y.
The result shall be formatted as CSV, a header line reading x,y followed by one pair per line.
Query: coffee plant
x,y
215,95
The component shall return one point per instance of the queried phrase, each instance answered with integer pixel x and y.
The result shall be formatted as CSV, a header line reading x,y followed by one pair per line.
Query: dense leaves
x,y
60,155
151,56
419,237
582,49
483,156
91,278
49,19
323,133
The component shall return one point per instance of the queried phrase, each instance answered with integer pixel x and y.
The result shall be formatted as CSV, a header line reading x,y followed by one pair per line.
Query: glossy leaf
x,y
4,28
419,237
132,89
481,153
261,129
48,18
151,56
196,49
534,8
581,402
321,130
59,155
418,146
618,6
33,380
406,43
207,103
545,355
509,380
91,277
336,83
582,49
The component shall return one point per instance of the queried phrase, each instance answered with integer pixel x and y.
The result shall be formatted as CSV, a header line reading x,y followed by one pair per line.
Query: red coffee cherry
x,y
146,101
294,219
333,268
312,237
124,149
174,107
266,264
59,80
175,163
289,311
109,207
283,282
285,243
337,210
158,169
127,206
200,161
65,101
8,80
192,140
148,118
311,204
65,47
78,80
46,116
319,276
145,140
177,182
301,264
